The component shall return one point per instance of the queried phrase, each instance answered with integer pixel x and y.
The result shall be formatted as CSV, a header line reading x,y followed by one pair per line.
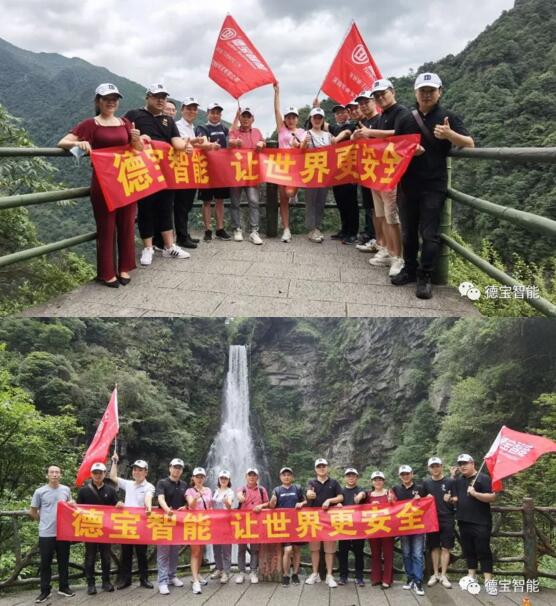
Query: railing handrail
x,y
510,154
18,200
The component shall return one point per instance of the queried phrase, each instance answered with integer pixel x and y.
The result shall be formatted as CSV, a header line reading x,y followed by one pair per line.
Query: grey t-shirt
x,y
45,499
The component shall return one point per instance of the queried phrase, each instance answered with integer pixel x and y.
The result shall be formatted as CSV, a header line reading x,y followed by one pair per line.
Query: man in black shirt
x,y
413,545
440,543
323,492
353,495
424,186
155,212
473,496
97,492
170,493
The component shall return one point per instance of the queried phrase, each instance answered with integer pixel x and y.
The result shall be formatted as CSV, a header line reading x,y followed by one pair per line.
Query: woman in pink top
x,y
198,497
382,550
289,135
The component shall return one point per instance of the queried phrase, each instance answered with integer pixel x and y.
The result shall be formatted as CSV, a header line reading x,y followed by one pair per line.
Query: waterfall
x,y
233,447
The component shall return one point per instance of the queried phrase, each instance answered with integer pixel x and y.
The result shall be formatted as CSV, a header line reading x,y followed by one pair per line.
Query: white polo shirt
x,y
135,493
186,129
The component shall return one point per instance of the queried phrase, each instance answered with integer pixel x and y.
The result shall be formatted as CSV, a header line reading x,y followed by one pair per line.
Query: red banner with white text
x,y
100,524
375,163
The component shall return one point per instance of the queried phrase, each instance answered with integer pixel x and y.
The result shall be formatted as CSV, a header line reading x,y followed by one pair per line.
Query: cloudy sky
x,y
173,41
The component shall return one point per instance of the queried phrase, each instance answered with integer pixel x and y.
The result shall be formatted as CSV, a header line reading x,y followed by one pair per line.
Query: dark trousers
x,y
346,201
367,203
155,213
420,212
355,545
48,546
127,562
183,203
475,542
91,550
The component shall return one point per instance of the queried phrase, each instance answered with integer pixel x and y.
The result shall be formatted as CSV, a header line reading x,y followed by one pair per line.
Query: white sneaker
x,y
287,235
381,259
444,581
224,578
408,585
396,266
216,574
147,255
369,247
240,578
238,235
176,582
330,581
196,587
254,578
491,587
315,236
433,580
255,238
175,252
319,235
163,589
203,581
312,578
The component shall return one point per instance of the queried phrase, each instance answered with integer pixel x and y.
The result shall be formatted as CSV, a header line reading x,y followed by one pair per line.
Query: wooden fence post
x,y
530,567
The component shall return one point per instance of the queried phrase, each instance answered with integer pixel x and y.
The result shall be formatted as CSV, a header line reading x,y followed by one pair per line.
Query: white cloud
x,y
146,41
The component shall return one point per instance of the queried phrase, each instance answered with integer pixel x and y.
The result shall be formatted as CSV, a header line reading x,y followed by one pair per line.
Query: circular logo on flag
x,y
228,34
359,55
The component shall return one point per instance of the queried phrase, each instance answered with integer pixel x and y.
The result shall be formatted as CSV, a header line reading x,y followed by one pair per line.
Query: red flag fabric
x,y
237,66
107,430
512,451
352,71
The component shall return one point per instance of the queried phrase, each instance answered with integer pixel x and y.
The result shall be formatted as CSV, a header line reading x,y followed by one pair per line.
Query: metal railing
x,y
529,221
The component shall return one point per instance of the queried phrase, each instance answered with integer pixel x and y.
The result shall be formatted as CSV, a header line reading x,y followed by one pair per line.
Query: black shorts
x,y
218,193
445,537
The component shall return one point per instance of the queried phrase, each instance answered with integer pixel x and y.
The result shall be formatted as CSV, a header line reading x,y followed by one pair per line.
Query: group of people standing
x,y
394,220
464,496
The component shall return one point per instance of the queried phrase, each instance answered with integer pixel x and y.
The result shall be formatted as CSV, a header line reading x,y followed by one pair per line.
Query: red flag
x,y
352,71
237,66
513,451
107,430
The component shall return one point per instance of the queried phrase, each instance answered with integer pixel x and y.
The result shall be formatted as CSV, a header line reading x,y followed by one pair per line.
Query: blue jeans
x,y
413,547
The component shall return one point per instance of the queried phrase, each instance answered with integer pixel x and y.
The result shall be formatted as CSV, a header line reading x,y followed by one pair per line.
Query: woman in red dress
x,y
106,130
382,550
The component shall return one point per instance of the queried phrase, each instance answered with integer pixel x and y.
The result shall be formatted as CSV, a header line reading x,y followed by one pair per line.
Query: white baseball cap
x,y
141,464
176,463
377,474
284,469
107,89
252,470
434,461
199,471
157,89
246,110
364,94
380,85
405,469
190,101
215,105
98,467
291,110
316,111
465,458
427,79
351,470
321,462
352,104
224,473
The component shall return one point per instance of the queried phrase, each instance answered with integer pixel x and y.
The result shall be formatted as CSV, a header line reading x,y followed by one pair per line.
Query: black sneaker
x,y
418,588
66,592
194,240
360,582
222,234
404,277
349,240
295,579
423,289
45,595
107,586
285,581
208,235
338,236
342,581
186,243
91,589
146,584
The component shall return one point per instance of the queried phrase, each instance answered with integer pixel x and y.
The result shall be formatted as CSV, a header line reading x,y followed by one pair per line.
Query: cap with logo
x,y
405,469
351,470
224,473
141,464
434,461
364,94
157,89
291,110
246,110
215,105
338,108
107,89
377,474
321,462
427,79
465,458
98,467
316,111
352,104
381,85
252,470
199,471
176,463
190,101
285,469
